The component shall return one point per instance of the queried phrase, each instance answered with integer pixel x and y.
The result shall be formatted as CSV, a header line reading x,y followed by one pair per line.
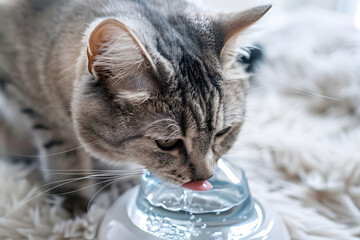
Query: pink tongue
x,y
198,185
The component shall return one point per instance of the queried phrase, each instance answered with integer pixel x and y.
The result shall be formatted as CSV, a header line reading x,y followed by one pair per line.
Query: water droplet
x,y
151,208
217,235
203,226
217,213
155,227
198,220
192,217
224,220
195,232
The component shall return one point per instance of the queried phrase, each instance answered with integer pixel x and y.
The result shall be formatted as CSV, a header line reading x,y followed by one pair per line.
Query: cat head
x,y
164,92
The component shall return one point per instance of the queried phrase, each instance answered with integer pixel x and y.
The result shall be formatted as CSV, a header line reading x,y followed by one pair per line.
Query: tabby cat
x,y
154,82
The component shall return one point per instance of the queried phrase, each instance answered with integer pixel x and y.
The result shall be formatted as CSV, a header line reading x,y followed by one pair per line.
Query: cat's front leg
x,y
65,166
67,173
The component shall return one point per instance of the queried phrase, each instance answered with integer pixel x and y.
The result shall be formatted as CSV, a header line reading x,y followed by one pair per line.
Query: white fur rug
x,y
300,146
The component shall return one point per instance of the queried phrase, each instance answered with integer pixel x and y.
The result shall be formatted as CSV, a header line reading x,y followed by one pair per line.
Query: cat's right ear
x,y
116,55
234,24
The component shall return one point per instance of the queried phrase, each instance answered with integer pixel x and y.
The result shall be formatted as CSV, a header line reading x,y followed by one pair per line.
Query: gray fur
x,y
197,92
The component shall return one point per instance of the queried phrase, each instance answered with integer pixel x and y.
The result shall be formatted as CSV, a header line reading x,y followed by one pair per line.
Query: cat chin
x,y
179,182
171,179
174,182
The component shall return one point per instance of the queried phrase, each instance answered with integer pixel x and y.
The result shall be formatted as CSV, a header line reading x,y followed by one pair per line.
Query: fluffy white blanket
x,y
300,146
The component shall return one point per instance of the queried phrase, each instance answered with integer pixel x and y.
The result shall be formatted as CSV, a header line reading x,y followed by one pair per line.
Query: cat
x,y
154,82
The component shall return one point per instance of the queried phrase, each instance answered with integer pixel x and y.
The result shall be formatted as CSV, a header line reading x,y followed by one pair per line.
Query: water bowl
x,y
230,189
158,210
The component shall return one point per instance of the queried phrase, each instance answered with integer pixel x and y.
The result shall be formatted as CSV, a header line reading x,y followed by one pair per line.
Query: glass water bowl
x,y
157,210
230,189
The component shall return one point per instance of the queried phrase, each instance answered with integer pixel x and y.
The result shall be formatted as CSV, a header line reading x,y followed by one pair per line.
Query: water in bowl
x,y
229,189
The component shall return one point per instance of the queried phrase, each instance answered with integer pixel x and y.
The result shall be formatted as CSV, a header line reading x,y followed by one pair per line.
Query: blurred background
x,y
299,145
351,8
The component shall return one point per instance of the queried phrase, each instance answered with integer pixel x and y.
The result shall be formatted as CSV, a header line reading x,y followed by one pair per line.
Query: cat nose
x,y
202,178
201,174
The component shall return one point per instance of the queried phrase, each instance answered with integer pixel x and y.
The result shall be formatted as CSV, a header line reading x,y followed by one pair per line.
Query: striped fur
x,y
170,73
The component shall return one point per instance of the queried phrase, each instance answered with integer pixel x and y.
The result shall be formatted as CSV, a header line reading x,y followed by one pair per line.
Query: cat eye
x,y
167,144
223,132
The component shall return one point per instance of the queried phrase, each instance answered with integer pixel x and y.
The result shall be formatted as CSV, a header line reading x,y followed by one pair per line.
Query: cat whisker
x,y
251,90
84,171
97,192
24,202
92,198
63,182
95,184
299,91
309,93
93,176
52,154
86,187
97,176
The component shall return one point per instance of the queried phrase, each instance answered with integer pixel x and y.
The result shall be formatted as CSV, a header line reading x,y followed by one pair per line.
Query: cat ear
x,y
234,24
116,54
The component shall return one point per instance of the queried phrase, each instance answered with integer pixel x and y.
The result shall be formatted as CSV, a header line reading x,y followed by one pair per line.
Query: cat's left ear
x,y
117,56
232,25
